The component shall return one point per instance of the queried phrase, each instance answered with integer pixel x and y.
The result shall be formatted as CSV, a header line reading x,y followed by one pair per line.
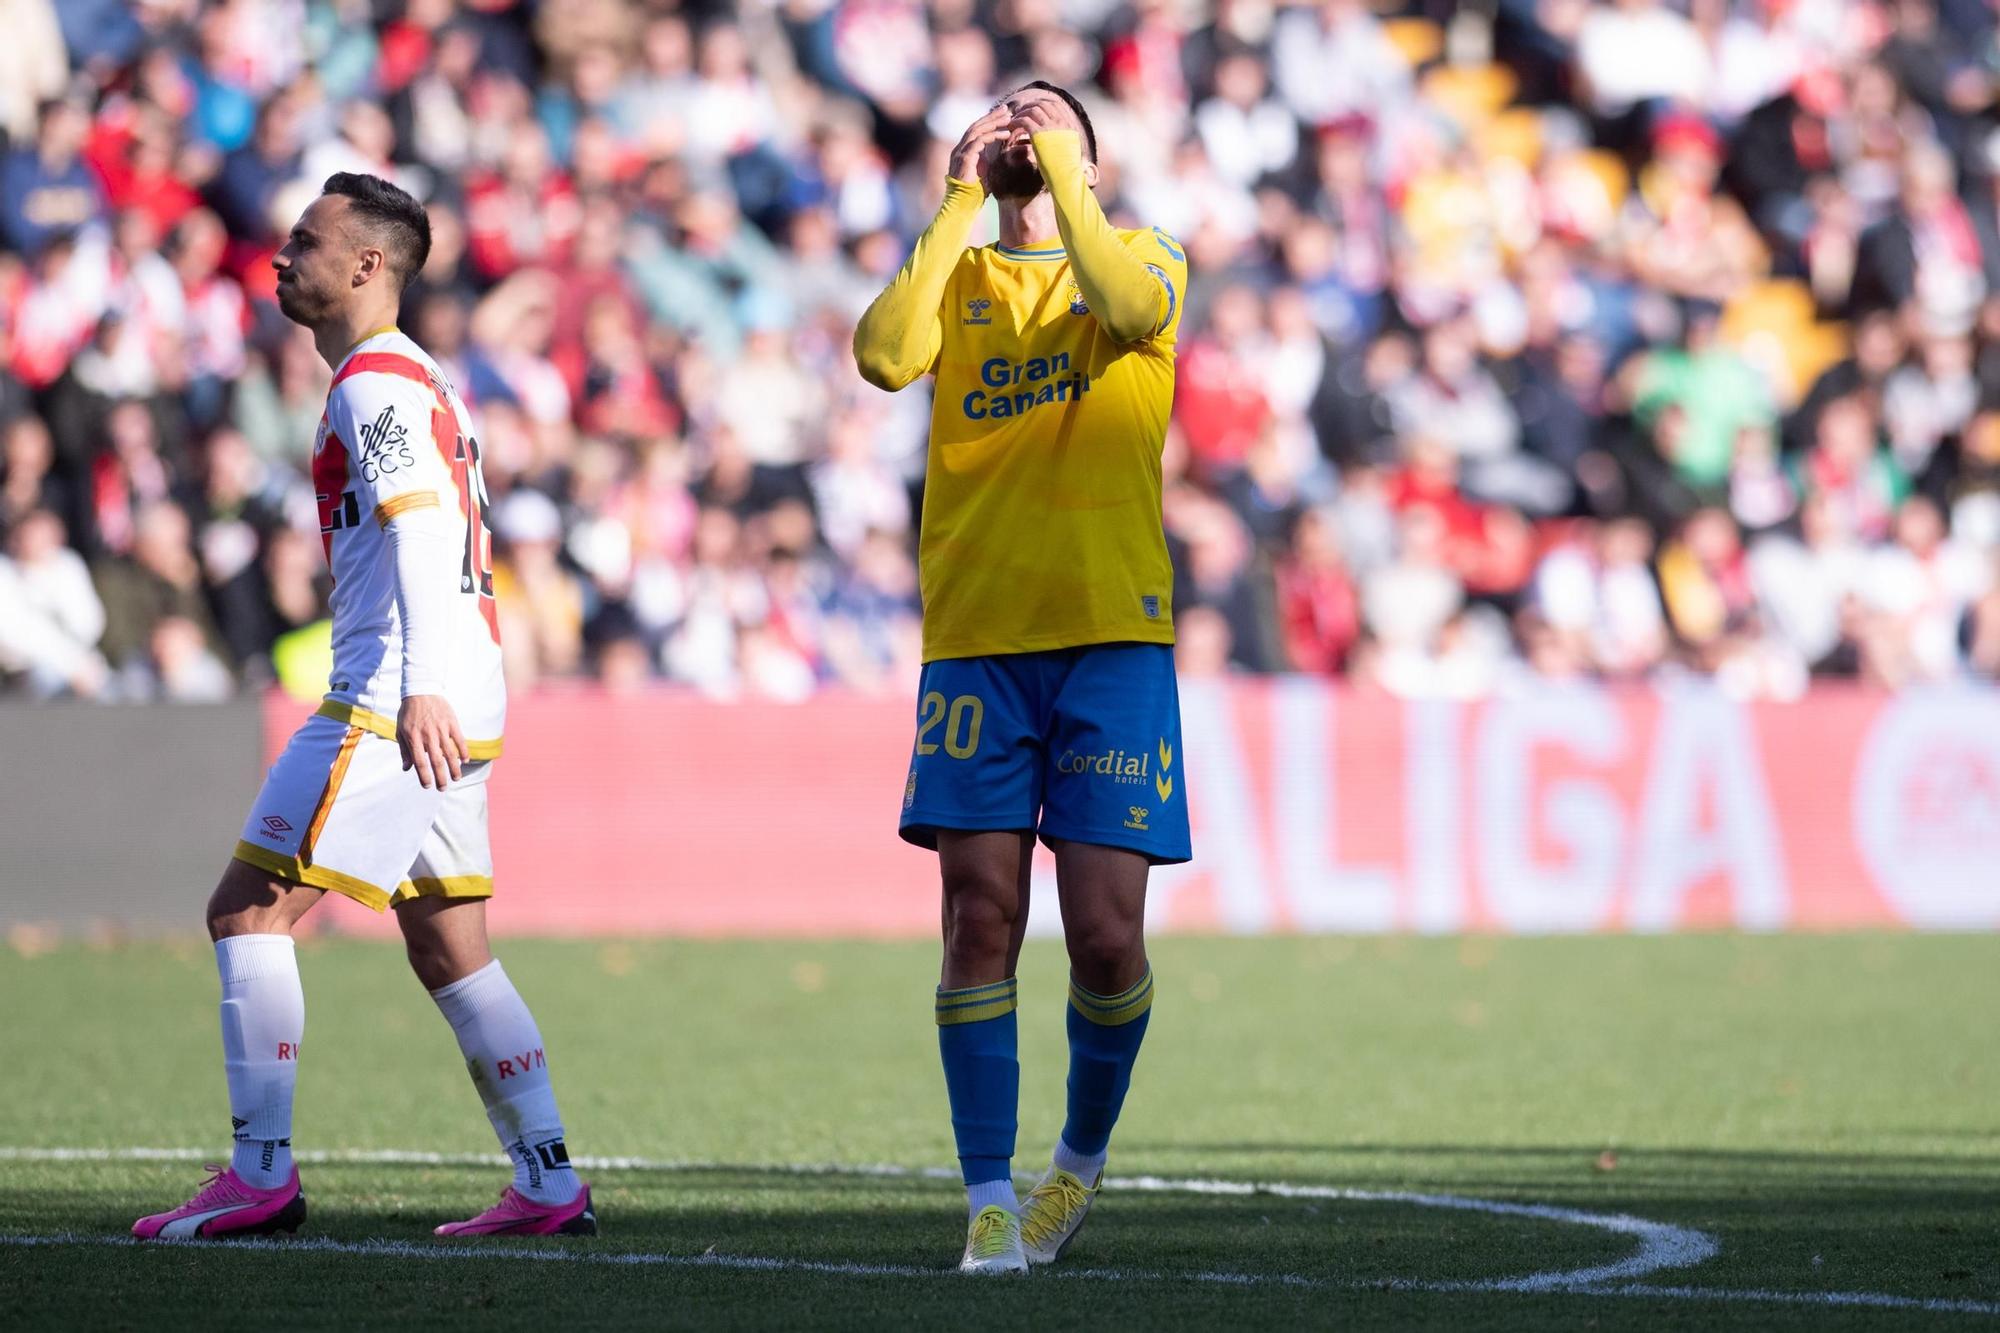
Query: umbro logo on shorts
x,y
277,824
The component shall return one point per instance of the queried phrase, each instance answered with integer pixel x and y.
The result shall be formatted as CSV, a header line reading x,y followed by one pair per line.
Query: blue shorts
x,y
1080,744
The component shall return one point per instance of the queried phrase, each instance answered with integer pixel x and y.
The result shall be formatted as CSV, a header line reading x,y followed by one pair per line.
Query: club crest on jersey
x,y
975,311
1077,305
319,437
385,446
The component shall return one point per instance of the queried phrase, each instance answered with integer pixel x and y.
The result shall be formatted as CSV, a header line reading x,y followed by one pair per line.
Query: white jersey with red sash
x,y
396,437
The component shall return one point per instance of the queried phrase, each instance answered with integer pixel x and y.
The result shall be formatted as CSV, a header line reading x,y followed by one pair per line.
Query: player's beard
x,y
1014,176
301,303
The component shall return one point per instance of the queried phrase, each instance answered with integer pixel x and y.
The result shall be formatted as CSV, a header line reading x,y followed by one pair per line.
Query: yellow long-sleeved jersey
x,y
1055,376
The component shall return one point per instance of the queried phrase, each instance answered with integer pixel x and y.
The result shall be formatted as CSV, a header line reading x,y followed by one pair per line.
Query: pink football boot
x,y
518,1215
226,1206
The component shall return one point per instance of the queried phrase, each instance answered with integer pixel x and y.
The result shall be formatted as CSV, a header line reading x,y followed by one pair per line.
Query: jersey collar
x,y
372,333
1040,252
348,355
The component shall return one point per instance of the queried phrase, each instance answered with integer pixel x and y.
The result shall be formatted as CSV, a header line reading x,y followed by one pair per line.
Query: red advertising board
x,y
1315,808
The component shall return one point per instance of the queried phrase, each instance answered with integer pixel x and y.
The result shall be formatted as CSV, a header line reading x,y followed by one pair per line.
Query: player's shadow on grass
x,y
1832,1204
1736,1191
896,1222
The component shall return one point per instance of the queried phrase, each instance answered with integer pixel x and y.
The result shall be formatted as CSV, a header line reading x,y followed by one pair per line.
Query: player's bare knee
x,y
245,903
1107,941
435,966
979,916
1107,951
978,924
445,942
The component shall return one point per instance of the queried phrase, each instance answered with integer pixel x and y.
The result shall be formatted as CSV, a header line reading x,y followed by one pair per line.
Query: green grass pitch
x,y
1825,1109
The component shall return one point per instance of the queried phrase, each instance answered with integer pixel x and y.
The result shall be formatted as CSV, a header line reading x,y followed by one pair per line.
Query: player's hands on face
x,y
968,160
1036,116
427,730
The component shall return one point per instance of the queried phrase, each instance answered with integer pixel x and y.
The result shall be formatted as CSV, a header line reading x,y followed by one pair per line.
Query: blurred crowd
x,y
1541,338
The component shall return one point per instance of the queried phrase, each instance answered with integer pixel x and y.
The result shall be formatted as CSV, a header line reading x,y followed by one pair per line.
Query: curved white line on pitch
x,y
1661,1246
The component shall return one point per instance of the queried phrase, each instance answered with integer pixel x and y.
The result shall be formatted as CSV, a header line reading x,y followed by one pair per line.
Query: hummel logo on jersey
x,y
975,311
385,446
1135,817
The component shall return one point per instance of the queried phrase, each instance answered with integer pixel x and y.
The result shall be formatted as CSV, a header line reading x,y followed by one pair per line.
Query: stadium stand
x,y
1551,340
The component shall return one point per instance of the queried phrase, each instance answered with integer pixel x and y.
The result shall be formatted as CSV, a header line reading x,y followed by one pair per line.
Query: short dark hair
x,y
393,214
1082,116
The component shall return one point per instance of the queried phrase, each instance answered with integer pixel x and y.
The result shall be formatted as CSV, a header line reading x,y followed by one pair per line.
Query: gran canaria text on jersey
x,y
1050,379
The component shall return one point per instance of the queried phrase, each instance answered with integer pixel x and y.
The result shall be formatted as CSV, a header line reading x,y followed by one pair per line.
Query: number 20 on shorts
x,y
961,719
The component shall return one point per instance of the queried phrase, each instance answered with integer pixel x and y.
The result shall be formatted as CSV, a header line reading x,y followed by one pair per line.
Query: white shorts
x,y
338,811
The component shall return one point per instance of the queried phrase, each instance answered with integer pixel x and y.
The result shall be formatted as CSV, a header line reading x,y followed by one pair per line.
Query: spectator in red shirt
x,y
525,213
1318,612
1219,395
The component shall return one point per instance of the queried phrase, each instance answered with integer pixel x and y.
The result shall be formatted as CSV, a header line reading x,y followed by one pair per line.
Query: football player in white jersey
x,y
381,795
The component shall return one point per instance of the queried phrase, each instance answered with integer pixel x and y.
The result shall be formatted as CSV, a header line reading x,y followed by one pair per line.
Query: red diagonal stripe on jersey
x,y
408,368
329,477
388,363
444,422
444,434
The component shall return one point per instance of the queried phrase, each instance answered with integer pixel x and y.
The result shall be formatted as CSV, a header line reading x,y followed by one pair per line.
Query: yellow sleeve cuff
x,y
403,504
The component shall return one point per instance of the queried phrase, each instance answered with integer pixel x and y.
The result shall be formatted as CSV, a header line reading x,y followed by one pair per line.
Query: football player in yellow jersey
x,y
1048,703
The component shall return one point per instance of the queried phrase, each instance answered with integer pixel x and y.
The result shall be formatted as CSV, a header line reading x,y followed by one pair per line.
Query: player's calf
x,y
509,1065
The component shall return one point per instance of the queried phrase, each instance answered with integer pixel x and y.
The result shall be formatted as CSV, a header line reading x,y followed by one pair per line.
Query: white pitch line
x,y
1661,1245
744,1263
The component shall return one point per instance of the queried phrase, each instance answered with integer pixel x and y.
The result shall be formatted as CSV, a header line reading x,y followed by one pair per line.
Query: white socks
x,y
503,1053
990,1192
1084,1168
263,1020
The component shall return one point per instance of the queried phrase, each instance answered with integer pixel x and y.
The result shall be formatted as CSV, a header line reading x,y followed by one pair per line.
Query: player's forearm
x,y
427,547
1127,299
899,336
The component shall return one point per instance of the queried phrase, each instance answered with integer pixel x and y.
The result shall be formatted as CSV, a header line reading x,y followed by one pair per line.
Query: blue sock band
x,y
978,1040
1104,1036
